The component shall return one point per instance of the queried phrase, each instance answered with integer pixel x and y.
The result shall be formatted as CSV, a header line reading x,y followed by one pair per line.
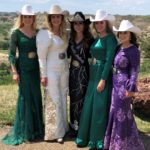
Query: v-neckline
x,y
25,34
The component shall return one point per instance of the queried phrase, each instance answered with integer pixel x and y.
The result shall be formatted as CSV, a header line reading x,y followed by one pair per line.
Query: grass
x,y
3,52
143,124
8,103
144,69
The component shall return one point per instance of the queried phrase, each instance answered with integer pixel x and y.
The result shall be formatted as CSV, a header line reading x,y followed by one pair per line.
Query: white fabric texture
x,y
49,47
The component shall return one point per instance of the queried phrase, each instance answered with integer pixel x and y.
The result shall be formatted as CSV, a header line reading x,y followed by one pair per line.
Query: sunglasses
x,y
27,16
78,23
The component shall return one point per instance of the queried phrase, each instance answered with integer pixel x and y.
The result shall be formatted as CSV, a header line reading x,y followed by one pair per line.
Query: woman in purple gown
x,y
122,133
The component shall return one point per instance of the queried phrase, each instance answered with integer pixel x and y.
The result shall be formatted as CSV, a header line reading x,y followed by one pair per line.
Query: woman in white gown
x,y
51,45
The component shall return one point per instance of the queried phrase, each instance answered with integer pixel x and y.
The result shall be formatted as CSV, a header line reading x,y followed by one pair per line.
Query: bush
x,y
5,75
4,45
144,71
145,47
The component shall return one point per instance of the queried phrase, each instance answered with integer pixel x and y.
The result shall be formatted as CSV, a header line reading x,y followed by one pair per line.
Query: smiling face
x,y
100,26
124,37
78,26
27,20
55,19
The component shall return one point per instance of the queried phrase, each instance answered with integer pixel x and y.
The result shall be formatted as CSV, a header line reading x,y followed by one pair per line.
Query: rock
x,y
141,101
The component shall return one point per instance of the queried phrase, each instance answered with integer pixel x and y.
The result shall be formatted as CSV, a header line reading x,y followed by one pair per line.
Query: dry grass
x,y
7,103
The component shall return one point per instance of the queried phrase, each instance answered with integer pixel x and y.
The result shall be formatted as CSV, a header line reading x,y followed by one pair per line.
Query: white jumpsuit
x,y
54,65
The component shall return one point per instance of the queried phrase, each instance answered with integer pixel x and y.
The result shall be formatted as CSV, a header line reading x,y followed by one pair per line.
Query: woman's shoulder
x,y
133,49
14,31
44,33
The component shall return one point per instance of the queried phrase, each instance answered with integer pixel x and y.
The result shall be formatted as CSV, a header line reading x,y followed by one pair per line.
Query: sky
x,y
121,7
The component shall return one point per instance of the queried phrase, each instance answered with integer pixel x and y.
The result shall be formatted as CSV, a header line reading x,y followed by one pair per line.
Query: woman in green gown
x,y
28,124
94,114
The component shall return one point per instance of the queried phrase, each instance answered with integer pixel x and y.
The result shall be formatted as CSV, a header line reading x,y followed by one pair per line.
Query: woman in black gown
x,y
78,50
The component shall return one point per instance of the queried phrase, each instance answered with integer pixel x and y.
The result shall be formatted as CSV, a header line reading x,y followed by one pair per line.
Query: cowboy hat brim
x,y
86,21
110,18
133,29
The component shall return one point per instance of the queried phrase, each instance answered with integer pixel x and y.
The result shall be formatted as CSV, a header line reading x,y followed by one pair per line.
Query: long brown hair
x,y
63,26
108,28
19,23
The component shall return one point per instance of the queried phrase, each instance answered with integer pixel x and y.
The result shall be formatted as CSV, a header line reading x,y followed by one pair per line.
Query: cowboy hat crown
x,y
55,9
102,15
27,10
126,25
79,17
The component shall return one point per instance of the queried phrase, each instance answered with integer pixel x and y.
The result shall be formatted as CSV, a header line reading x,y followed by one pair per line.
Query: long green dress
x,y
94,114
28,124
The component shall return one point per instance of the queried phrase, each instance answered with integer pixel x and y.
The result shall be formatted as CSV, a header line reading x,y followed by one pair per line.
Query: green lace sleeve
x,y
13,47
111,45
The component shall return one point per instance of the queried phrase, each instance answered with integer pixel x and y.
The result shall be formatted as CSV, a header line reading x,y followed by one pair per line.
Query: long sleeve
x,y
43,41
134,69
111,45
13,47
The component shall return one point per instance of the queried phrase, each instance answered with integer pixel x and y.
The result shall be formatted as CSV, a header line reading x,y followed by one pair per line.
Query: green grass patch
x,y
143,125
4,51
144,69
8,103
7,117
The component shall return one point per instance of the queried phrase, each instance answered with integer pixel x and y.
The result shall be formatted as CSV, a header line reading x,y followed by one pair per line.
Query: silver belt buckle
x,y
31,55
114,70
75,63
62,55
93,62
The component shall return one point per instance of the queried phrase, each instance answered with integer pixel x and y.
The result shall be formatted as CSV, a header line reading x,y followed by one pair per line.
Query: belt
x,y
93,61
118,71
32,54
29,55
62,55
75,63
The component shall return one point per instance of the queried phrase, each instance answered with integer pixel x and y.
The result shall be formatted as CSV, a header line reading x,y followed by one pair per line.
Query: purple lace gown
x,y
122,133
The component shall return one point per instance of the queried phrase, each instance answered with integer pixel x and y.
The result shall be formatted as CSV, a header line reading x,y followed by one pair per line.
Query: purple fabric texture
x,y
122,133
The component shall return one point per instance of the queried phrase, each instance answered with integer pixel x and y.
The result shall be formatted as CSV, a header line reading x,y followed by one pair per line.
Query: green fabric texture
x,y
28,123
94,114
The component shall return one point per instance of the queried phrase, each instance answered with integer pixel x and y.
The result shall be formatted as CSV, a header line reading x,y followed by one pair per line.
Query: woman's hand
x,y
44,81
129,94
15,77
101,86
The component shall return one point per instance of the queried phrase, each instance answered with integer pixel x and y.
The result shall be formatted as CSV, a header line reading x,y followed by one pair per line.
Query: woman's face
x,y
124,37
100,26
27,20
56,20
78,26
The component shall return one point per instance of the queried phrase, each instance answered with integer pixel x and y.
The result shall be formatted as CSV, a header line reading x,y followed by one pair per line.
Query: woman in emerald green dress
x,y
28,124
94,114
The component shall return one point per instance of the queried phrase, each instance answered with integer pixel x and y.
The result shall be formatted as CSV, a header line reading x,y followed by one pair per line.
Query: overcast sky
x,y
121,7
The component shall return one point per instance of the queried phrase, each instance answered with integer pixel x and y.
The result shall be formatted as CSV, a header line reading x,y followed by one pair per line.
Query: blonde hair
x,y
63,26
19,23
108,28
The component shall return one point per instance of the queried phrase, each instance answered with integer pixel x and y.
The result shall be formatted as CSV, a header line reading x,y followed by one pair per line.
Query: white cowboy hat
x,y
55,9
102,15
126,25
27,10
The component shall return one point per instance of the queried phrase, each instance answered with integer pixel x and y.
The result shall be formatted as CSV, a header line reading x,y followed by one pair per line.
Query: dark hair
x,y
133,39
86,31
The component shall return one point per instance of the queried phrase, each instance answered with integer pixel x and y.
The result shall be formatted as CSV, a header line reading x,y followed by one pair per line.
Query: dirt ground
x,y
41,145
